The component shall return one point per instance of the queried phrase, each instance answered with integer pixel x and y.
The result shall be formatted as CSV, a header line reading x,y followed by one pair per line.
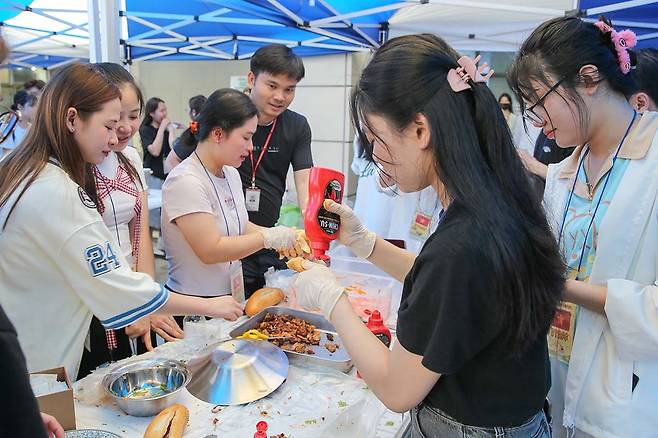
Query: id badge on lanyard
x,y
237,282
563,328
562,332
252,194
420,226
422,222
252,199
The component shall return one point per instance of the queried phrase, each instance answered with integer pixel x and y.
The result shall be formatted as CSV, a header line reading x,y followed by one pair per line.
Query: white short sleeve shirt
x,y
189,189
59,264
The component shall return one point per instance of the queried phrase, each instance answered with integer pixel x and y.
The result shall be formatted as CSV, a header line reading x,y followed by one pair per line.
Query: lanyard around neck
x,y
254,167
598,203
221,207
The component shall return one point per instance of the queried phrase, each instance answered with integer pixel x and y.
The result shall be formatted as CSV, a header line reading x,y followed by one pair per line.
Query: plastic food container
x,y
367,292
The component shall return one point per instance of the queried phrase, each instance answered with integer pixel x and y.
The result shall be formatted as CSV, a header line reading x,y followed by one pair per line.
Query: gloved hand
x,y
317,288
302,247
352,233
279,238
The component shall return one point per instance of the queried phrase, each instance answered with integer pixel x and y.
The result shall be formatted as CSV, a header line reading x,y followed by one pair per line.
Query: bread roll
x,y
170,422
262,298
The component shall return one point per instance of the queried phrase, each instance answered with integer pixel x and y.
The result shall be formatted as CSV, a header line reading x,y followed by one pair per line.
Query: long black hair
x,y
511,102
476,161
226,109
151,106
557,50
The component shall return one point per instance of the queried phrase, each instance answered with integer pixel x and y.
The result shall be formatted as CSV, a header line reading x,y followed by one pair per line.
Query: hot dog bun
x,y
262,298
170,422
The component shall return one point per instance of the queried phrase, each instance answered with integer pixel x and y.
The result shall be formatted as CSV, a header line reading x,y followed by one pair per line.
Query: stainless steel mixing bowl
x,y
148,376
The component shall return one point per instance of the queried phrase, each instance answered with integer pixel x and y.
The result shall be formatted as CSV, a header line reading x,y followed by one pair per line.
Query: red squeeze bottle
x,y
321,226
376,325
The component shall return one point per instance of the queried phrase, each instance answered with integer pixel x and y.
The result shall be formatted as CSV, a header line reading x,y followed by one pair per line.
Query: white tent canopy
x,y
502,25
478,25
49,33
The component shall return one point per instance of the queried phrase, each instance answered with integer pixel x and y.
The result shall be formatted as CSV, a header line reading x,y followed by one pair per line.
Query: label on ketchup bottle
x,y
330,222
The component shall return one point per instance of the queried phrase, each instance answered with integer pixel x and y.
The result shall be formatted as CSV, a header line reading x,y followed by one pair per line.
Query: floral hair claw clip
x,y
468,70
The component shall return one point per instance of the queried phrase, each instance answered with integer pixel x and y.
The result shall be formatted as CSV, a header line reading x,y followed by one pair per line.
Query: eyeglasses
x,y
8,122
530,115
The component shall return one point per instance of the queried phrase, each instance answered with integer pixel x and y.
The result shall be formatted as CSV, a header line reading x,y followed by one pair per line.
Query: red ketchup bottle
x,y
321,226
376,325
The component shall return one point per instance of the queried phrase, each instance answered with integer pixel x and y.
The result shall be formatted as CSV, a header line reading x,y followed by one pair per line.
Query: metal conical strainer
x,y
237,371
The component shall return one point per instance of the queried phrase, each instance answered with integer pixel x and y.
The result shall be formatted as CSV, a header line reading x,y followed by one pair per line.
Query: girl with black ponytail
x,y
205,225
186,143
573,79
471,357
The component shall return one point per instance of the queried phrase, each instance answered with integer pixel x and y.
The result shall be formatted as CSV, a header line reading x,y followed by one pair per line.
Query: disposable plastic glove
x,y
279,238
317,288
352,233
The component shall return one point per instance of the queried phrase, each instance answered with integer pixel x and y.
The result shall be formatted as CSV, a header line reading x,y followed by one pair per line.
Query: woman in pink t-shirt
x,y
204,218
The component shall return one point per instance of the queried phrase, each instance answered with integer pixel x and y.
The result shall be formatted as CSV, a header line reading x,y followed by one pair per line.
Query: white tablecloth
x,y
312,402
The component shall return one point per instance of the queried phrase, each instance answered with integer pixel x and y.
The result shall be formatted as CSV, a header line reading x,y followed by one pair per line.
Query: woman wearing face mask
x,y
59,263
118,188
24,105
471,356
572,78
505,102
204,218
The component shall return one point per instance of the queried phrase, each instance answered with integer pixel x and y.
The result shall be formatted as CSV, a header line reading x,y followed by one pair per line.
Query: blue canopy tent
x,y
48,33
234,29
641,16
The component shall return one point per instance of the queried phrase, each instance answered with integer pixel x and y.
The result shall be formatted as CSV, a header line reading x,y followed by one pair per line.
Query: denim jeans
x,y
429,422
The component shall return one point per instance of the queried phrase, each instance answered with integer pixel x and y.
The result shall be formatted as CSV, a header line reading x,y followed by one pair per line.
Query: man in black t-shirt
x,y
283,138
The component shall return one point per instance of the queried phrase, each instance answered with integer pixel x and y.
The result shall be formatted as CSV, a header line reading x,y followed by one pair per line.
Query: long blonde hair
x,y
76,86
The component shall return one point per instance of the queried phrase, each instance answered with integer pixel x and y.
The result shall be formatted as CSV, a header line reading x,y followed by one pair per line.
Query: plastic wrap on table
x,y
313,402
